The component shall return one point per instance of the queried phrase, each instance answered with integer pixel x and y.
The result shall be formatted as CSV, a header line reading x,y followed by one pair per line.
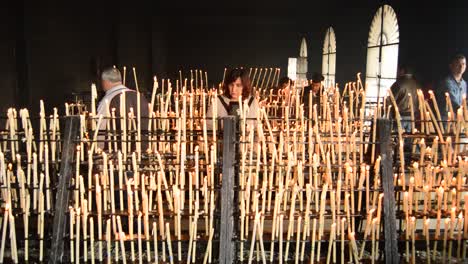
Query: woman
x,y
236,84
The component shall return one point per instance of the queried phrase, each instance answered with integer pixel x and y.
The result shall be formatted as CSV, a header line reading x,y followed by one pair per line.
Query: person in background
x,y
283,91
111,81
453,84
405,89
314,90
236,84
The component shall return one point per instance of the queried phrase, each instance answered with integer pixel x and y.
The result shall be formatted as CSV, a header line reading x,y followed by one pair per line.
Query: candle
x,y
459,235
297,240
446,230
465,227
91,227
353,246
5,223
26,231
123,123
155,242
72,222
138,141
426,234
281,238
312,248
168,241
130,219
331,242
367,229
85,231
108,239
77,237
440,193
374,230
177,203
47,177
253,242
153,94
140,247
121,239
343,220
413,249
160,212
321,217
53,125
192,229
146,225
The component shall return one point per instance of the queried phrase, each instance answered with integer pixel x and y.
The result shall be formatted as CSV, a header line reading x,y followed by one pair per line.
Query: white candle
x,y
121,239
140,246
108,239
5,223
91,228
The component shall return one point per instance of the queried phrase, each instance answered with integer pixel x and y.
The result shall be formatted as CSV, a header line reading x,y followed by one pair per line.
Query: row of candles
x,y
304,182
179,123
277,156
175,124
27,167
435,177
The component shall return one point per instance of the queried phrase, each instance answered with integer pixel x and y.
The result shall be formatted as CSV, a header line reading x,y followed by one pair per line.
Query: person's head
x,y
404,69
317,80
110,77
458,64
284,82
237,83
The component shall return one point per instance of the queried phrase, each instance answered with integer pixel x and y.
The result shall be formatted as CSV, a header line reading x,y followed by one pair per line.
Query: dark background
x,y
51,49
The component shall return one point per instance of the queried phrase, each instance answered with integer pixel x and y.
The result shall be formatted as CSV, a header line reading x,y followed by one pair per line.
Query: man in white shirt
x,y
111,81
115,91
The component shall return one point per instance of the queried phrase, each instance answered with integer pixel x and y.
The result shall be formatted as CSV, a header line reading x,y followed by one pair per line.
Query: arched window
x,y
329,58
382,53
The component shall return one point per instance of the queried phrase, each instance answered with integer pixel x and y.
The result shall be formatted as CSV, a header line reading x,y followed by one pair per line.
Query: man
x,y
314,89
111,81
284,90
404,86
404,90
454,84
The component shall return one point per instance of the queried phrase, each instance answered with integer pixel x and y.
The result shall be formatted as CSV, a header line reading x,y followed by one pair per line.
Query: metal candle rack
x,y
29,165
431,192
319,186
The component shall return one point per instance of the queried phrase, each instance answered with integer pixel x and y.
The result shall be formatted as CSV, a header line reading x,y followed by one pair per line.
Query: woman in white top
x,y
236,84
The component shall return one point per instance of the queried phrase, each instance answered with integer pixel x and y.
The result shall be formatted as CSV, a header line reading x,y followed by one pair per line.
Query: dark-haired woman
x,y
236,84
